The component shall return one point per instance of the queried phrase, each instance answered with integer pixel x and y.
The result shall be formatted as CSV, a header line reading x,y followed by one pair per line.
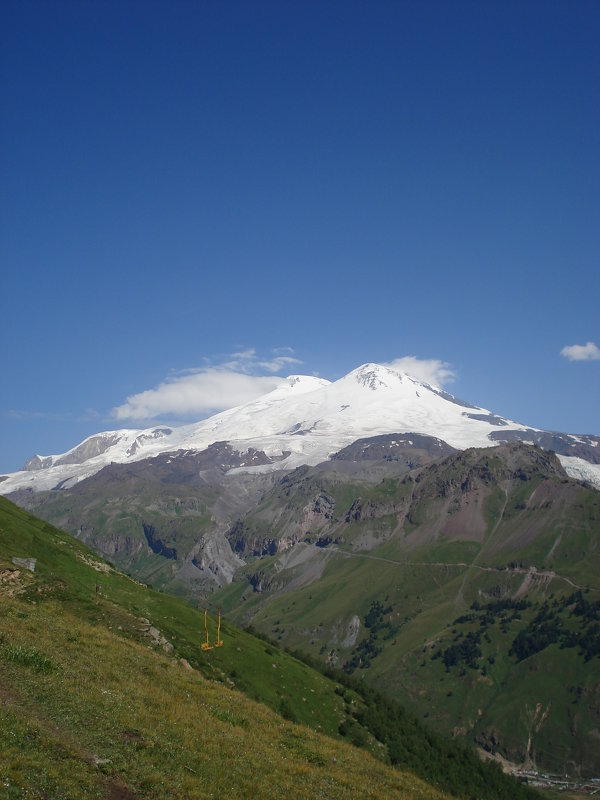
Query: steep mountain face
x,y
305,421
163,519
468,587
445,500
167,519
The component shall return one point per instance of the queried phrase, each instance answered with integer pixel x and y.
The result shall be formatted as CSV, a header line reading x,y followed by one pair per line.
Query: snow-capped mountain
x,y
305,420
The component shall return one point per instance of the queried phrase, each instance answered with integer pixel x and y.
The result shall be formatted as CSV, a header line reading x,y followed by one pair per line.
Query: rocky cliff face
x,y
447,498
163,519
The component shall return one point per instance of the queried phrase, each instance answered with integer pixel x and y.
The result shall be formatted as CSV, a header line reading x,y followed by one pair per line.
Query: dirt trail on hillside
x,y
531,573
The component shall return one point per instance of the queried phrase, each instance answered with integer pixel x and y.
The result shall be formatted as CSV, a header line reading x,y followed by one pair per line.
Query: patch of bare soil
x,y
13,581
118,791
468,521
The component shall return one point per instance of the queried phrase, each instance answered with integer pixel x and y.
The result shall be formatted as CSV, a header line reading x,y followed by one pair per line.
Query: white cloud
x,y
429,370
205,390
213,390
581,352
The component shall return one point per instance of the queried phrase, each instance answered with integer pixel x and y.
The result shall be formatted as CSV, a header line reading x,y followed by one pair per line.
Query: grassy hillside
x,y
107,693
87,713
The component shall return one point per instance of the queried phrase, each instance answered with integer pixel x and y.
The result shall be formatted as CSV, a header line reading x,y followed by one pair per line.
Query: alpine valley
x,y
427,547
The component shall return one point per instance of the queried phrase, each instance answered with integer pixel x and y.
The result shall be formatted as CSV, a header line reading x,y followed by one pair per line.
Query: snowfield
x,y
304,420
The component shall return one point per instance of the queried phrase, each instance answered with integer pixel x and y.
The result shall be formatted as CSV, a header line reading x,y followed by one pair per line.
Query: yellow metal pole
x,y
219,642
206,645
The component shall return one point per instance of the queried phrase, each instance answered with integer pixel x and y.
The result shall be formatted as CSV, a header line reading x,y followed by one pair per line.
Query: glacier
x,y
305,420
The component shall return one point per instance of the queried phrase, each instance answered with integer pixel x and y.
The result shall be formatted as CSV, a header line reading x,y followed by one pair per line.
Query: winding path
x,y
533,572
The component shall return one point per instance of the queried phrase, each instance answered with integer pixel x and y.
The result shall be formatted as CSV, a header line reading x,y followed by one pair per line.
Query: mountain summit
x,y
306,420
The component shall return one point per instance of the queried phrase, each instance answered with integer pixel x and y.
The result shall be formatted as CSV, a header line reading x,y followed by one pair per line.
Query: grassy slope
x,y
91,708
87,712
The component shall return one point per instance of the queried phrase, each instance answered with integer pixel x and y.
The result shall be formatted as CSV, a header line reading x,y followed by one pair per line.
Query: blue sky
x,y
195,196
